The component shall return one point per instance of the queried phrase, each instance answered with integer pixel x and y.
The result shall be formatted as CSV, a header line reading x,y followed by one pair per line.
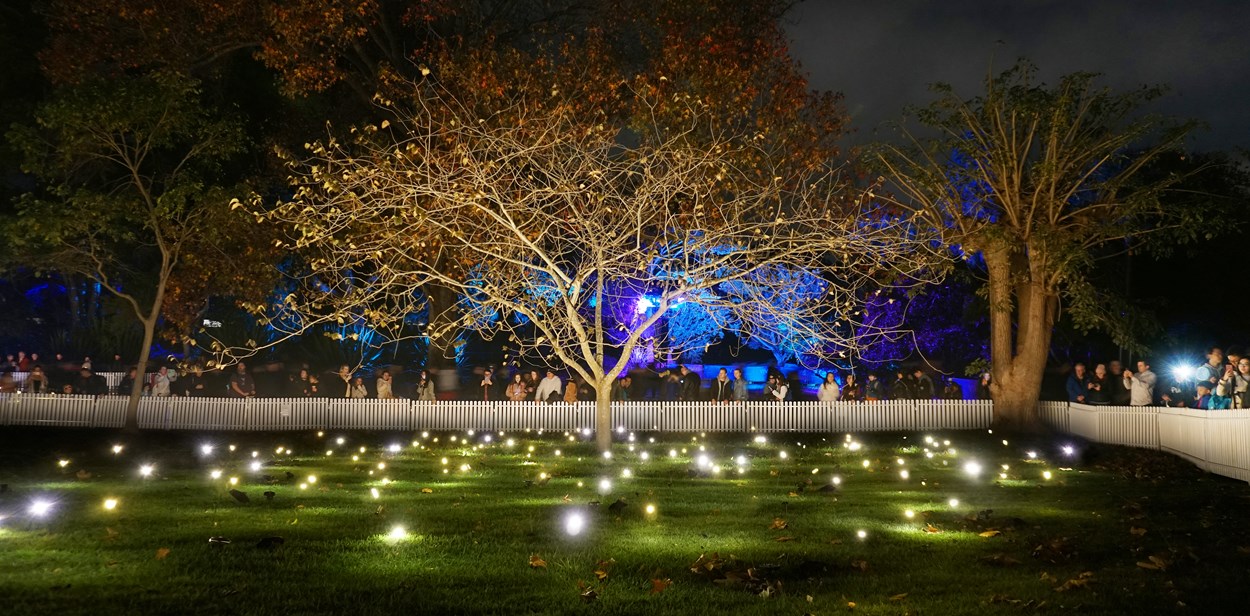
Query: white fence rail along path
x,y
1216,441
399,414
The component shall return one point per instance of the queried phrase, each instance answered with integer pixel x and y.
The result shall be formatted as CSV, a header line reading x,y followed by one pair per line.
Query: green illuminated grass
x,y
470,538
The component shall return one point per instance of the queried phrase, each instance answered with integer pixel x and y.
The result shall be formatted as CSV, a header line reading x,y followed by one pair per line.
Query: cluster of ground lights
x,y
430,457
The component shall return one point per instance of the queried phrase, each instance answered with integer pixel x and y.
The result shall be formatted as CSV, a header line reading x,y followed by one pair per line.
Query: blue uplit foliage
x,y
697,324
478,315
774,294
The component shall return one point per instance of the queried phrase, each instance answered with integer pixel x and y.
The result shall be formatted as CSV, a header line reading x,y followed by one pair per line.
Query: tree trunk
x,y
1017,358
136,391
441,302
603,415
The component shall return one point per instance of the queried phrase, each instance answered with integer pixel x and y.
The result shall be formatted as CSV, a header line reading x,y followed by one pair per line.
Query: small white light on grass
x,y
854,446
303,486
972,468
650,509
605,486
118,449
904,474
110,504
234,481
760,440
607,455
862,534
215,474
394,448
1032,455
1046,475
900,462
909,514
62,463
512,443
626,473
486,439
837,481
464,468
703,461
255,466
557,453
232,448
574,524
312,479
644,456
867,463
355,458
783,455
381,466
40,508
374,492
1068,450
320,434
398,533
672,453
146,470
340,440
954,502
255,454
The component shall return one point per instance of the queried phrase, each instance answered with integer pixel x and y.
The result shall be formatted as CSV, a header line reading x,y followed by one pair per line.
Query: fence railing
x,y
1216,441
399,414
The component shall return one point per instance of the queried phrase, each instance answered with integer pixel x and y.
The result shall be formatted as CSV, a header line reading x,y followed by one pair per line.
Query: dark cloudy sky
x,y
882,54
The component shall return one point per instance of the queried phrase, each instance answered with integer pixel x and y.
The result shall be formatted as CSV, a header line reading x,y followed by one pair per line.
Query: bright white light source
x,y
511,443
854,446
394,448
574,524
340,440
862,534
255,466
303,486
1032,455
904,474
605,486
760,440
374,493
234,481
206,449
40,508
381,466
146,470
110,504
312,479
783,455
1046,475
909,514
703,461
672,453
607,455
398,533
837,481
557,453
644,456
486,439
954,502
867,463
626,473
650,509
118,449
972,468
62,463
1068,450
464,468
216,474
255,454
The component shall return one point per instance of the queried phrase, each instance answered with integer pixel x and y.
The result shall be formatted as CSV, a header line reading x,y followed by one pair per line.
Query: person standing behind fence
x,y
1117,391
345,375
1098,390
1078,384
37,382
487,385
358,390
161,382
874,389
691,386
851,391
425,387
829,391
385,386
722,388
1236,383
781,390
1141,386
923,385
900,389
517,389
549,388
241,383
740,386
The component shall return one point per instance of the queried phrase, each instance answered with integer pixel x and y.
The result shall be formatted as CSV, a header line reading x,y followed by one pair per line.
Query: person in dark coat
x,y
722,388
691,386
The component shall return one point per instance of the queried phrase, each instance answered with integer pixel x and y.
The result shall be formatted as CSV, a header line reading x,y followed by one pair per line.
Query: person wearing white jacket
x,y
829,391
1141,386
161,382
548,386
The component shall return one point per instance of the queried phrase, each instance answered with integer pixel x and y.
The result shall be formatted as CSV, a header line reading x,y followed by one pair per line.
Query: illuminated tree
x,y
1041,182
128,170
541,212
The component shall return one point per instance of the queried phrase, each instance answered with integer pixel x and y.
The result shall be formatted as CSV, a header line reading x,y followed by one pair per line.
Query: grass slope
x,y
773,539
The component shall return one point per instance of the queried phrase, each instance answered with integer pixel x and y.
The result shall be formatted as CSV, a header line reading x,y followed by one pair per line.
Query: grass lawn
x,y
1112,530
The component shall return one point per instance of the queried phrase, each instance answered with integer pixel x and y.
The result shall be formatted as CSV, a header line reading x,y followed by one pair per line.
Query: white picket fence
x,y
399,414
1216,441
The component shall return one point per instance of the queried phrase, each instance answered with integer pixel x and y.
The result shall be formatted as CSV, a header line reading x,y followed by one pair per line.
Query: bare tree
x,y
549,218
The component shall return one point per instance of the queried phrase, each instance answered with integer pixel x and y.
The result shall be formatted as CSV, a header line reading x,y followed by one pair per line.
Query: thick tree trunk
x,y
136,391
1017,357
439,349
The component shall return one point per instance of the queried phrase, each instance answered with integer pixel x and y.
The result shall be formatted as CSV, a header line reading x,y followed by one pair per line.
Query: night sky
x,y
882,55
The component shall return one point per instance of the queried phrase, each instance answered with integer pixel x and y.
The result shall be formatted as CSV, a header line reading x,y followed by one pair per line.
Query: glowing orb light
x,y
117,449
574,524
1046,475
626,473
215,474
110,504
862,534
40,508
904,474
972,468
146,470
605,486
398,533
312,479
909,514
954,502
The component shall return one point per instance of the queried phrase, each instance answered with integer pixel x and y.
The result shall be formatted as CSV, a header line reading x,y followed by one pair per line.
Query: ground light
x,y
574,524
862,534
909,514
110,504
650,509
146,470
398,533
40,508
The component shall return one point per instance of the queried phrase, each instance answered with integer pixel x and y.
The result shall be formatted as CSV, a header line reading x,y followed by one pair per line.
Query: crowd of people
x,y
653,382
1221,382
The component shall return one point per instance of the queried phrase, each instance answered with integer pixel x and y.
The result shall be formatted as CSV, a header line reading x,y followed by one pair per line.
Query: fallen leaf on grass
x,y
536,562
427,491
899,597
161,553
1137,531
1154,564
989,533
589,595
1080,581
110,534
778,524
783,539
999,560
929,528
658,586
603,567
862,565
850,605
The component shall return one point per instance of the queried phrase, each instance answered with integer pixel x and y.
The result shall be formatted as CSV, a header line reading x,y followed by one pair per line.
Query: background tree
x,y
546,212
1041,182
129,170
